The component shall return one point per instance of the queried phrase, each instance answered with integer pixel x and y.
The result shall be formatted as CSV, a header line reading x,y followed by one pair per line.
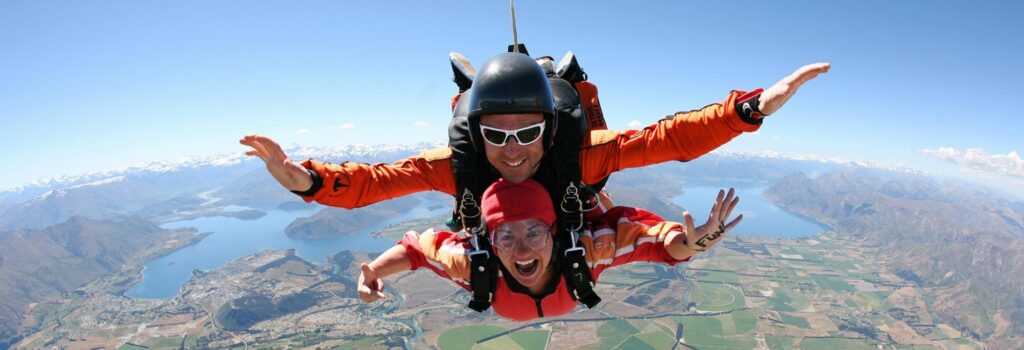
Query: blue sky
x,y
98,85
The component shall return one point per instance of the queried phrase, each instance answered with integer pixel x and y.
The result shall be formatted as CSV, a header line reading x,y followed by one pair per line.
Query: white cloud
x,y
302,131
348,125
636,124
1010,164
422,124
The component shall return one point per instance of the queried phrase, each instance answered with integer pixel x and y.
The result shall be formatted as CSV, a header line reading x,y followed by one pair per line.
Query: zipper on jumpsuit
x,y
540,311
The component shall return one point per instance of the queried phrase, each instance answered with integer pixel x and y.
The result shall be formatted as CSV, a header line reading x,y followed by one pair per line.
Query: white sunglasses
x,y
524,136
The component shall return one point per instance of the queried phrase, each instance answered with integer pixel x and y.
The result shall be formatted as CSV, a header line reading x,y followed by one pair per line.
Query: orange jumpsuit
x,y
683,136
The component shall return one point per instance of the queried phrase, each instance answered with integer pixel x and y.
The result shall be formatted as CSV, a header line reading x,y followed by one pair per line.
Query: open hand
x,y
710,233
777,95
371,287
288,173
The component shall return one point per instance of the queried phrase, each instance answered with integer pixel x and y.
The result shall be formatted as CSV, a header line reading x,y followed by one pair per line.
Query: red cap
x,y
506,201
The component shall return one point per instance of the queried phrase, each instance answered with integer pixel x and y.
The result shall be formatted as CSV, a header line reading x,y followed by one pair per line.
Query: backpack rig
x,y
577,111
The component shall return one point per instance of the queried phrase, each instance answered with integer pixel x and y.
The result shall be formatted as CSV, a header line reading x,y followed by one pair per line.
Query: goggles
x,y
524,136
536,238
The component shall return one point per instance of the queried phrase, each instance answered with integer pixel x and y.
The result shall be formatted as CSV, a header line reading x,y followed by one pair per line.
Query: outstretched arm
x,y
682,245
441,252
777,95
392,261
351,185
686,135
288,173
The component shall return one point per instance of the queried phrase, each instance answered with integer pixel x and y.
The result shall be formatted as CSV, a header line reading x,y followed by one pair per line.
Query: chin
x,y
517,178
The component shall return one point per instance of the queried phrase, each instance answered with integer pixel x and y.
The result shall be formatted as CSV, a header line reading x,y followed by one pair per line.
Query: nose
x,y
512,147
521,249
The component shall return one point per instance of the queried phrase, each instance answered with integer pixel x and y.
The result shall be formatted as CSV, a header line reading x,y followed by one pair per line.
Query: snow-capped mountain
x,y
160,187
358,153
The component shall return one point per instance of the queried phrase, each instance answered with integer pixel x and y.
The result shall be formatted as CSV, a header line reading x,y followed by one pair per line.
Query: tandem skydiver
x,y
521,225
510,110
512,129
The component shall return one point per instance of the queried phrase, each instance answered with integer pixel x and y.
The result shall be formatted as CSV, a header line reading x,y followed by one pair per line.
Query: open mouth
x,y
527,268
515,164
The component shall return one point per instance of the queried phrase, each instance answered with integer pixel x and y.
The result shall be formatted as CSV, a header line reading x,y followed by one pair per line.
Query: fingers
x,y
723,209
731,201
374,282
809,72
371,288
257,147
365,294
776,96
265,145
367,271
732,206
271,146
364,291
733,223
691,229
717,207
724,204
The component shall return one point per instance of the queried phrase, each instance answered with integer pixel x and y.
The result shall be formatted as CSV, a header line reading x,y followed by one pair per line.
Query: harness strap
x,y
483,278
577,276
577,273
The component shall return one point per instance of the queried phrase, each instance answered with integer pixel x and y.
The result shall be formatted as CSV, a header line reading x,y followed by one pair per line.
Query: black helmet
x,y
512,83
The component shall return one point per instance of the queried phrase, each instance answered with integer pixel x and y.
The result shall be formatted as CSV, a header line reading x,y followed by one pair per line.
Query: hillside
x,y
39,264
961,243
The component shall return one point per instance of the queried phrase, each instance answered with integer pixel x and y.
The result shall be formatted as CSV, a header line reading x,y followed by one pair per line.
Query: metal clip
x,y
468,203
477,251
583,251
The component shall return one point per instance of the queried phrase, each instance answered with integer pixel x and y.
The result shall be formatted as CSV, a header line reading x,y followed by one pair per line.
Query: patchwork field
x,y
750,293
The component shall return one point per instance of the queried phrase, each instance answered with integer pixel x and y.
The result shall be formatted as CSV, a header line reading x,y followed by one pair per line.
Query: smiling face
x,y
515,162
524,247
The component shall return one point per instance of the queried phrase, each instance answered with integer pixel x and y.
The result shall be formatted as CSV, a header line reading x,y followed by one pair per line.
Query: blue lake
x,y
760,216
233,238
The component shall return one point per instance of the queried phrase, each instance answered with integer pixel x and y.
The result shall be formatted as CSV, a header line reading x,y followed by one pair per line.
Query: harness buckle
x,y
468,204
582,252
471,254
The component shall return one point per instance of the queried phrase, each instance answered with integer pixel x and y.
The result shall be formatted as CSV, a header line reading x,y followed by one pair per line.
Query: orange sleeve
x,y
352,185
443,252
626,234
683,136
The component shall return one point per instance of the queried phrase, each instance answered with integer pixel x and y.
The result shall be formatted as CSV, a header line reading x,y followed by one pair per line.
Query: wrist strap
x,y
747,107
317,183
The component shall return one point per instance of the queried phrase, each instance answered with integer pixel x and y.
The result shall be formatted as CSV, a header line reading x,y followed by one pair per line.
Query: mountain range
x,y
172,186
967,241
55,261
964,244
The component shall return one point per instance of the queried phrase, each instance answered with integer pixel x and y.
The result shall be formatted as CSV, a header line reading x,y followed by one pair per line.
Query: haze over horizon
x,y
93,87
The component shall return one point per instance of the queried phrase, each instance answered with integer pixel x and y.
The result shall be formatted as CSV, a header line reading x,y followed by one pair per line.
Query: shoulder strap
x,y
469,184
469,166
570,214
